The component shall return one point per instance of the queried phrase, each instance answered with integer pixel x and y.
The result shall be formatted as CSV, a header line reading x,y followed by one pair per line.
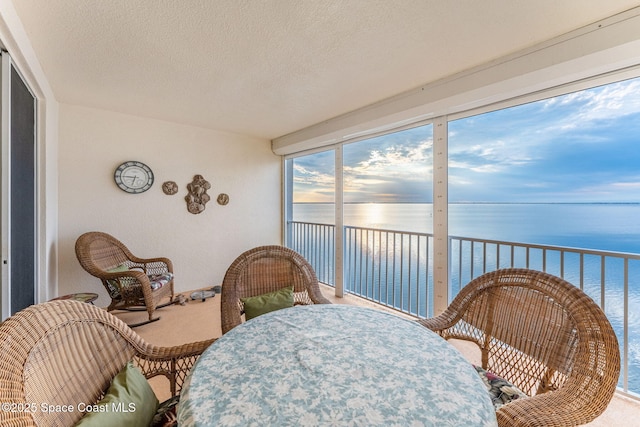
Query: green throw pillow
x,y
130,401
118,269
272,301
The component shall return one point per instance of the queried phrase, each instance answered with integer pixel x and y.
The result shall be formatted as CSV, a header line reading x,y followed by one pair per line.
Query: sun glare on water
x,y
375,214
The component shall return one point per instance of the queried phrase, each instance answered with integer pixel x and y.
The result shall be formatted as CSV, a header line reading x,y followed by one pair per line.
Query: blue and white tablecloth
x,y
333,365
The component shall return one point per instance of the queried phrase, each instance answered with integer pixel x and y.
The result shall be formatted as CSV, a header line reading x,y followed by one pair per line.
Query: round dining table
x,y
333,365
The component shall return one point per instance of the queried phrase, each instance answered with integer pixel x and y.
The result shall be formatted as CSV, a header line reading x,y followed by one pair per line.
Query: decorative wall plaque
x,y
223,199
169,188
197,197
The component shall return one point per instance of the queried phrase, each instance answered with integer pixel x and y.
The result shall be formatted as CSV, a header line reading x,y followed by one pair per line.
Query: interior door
x,y
18,229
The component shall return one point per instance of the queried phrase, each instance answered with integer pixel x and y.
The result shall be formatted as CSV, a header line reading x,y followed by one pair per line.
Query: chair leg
x,y
145,309
143,322
165,304
134,308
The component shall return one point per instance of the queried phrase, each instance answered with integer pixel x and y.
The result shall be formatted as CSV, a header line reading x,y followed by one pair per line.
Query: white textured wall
x,y
94,142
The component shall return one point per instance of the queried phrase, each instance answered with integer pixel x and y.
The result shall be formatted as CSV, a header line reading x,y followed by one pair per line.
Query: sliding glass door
x,y
18,231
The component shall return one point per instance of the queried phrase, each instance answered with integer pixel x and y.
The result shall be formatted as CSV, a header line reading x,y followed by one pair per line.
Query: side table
x,y
87,297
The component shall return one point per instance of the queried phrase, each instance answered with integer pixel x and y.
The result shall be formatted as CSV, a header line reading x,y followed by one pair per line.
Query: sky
x,y
580,147
391,168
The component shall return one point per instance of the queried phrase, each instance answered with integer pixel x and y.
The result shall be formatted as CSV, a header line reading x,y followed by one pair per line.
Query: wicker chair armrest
x,y
555,408
440,323
320,299
127,278
129,283
155,353
175,362
144,262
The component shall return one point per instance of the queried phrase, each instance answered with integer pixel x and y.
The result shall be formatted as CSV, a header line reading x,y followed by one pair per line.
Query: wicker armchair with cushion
x,y
131,282
264,270
543,335
58,359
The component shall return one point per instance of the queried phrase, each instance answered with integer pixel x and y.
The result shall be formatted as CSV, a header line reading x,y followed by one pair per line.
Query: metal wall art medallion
x,y
169,188
197,197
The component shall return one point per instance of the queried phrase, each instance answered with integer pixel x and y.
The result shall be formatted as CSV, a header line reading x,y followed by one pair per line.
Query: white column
x,y
287,200
339,223
440,215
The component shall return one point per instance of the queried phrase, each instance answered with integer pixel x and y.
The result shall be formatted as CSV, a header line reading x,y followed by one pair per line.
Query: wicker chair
x,y
266,269
545,336
105,257
67,353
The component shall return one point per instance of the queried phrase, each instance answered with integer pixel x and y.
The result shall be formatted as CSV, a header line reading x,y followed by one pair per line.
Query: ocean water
x,y
597,226
601,227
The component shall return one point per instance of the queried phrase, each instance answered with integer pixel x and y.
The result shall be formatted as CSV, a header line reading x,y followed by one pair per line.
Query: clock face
x,y
133,177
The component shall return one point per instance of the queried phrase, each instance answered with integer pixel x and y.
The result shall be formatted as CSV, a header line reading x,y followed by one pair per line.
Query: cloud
x,y
388,170
621,191
489,157
576,147
570,147
312,183
597,107
395,167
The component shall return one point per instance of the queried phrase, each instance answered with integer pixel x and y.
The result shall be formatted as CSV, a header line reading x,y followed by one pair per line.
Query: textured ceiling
x,y
266,68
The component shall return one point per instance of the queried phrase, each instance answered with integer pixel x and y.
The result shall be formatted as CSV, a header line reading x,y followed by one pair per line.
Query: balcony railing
x,y
395,269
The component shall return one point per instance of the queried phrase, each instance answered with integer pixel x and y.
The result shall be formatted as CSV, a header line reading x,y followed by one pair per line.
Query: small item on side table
x,y
87,297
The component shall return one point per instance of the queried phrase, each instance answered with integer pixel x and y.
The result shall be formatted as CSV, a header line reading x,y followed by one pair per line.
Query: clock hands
x,y
134,178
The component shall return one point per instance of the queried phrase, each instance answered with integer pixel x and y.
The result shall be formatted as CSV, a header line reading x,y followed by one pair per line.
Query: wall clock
x,y
133,177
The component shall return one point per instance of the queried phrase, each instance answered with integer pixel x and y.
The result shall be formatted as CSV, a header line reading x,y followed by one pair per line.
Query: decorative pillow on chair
x,y
129,401
265,303
166,415
500,390
159,280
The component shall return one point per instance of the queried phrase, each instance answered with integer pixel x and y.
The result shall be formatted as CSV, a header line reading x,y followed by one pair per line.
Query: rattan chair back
x,y
58,357
266,269
100,253
545,336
